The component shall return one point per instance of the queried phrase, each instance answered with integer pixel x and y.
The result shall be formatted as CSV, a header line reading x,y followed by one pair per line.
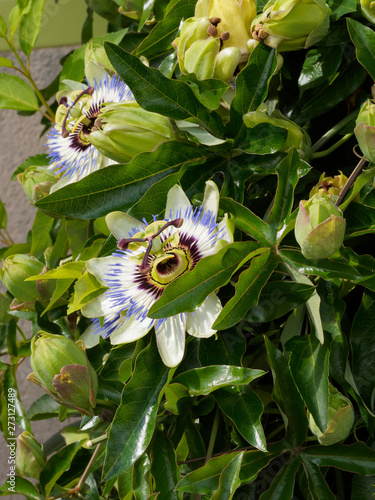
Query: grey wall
x,y
19,139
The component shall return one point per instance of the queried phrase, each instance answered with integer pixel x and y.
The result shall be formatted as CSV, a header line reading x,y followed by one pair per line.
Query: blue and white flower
x,y
148,259
71,152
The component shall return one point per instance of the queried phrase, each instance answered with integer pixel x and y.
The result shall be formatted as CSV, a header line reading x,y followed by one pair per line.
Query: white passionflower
x,y
71,152
148,259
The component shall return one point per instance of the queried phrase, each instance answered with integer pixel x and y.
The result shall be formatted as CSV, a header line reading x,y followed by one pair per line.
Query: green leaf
x,y
251,88
163,34
309,367
362,488
134,422
177,399
312,304
15,93
117,355
278,298
363,38
156,93
206,480
86,288
254,461
22,487
73,67
118,187
282,486
190,290
30,26
359,183
248,222
35,160
40,234
229,479
263,139
164,468
287,175
6,63
45,407
209,92
3,28
360,220
202,381
226,349
78,233
357,457
341,7
286,395
244,410
363,349
70,270
248,288
56,466
319,64
317,485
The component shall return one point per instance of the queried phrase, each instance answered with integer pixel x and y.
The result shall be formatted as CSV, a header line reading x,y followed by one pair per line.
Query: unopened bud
x,y
30,457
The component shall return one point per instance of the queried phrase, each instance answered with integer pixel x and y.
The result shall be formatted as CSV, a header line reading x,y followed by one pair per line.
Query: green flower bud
x,y
234,27
16,269
320,227
340,419
5,302
97,64
292,24
201,51
296,137
42,190
60,366
329,185
30,457
368,10
33,176
125,129
365,130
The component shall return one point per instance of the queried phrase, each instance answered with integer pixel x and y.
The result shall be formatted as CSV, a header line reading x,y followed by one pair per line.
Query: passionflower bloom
x,y
71,152
149,257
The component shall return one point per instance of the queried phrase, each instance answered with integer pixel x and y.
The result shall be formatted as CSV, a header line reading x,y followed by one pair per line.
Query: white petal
x,y
120,224
90,337
170,338
98,307
132,329
101,266
199,323
228,228
211,198
177,203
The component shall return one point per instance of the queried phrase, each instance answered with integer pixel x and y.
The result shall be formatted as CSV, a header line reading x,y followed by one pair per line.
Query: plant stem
x,y
21,332
276,431
333,131
351,179
97,440
330,150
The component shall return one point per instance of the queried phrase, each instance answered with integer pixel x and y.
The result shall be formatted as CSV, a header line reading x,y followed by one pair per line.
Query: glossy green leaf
x,y
251,88
357,457
56,465
73,67
70,270
278,298
177,399
208,92
248,289
30,26
43,408
363,349
117,355
312,304
141,478
263,139
134,422
202,381
248,222
164,468
282,486
86,288
363,38
9,383
244,410
40,234
22,487
316,482
319,64
226,348
254,461
341,7
206,480
164,32
362,488
287,175
118,187
15,93
156,93
229,479
360,220
361,181
309,367
286,395
191,289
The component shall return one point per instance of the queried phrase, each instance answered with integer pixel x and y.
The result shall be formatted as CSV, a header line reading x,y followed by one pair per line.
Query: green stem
x,y
333,131
90,443
330,150
21,332
276,431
